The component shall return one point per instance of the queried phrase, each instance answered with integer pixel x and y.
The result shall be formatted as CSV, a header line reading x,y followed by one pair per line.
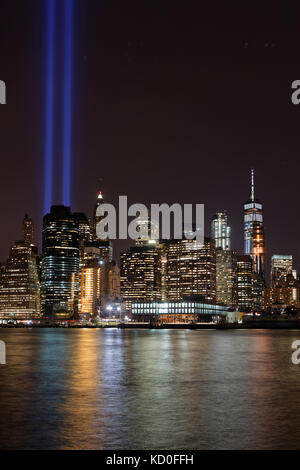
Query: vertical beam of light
x,y
66,181
49,108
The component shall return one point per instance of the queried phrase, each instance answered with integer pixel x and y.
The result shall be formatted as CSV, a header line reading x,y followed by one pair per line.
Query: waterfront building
x,y
281,268
188,268
140,275
100,279
282,294
60,263
226,277
188,310
19,288
220,230
245,283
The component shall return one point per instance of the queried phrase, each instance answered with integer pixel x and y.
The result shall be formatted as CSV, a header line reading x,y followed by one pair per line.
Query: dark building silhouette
x,y
28,230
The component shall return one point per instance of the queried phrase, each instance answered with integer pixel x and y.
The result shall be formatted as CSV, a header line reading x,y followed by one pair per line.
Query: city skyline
x,y
149,251
222,231
158,94
76,274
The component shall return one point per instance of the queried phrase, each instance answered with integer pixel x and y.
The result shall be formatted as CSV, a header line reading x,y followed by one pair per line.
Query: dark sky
x,y
169,105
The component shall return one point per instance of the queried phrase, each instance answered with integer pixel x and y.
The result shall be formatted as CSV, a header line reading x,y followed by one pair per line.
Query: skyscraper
x,y
189,269
245,283
92,273
258,249
254,231
60,263
96,218
226,269
106,249
220,230
19,289
28,230
255,244
140,275
281,267
285,289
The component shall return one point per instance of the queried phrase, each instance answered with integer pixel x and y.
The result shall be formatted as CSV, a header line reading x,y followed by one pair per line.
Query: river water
x,y
149,389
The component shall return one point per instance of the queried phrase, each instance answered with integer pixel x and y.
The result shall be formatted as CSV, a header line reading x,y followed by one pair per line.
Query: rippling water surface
x,y
149,389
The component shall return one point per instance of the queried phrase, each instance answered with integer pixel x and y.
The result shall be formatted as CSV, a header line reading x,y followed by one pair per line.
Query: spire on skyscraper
x,y
252,197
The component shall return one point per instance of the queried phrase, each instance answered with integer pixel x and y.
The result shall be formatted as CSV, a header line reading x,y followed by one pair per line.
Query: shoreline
x,y
255,325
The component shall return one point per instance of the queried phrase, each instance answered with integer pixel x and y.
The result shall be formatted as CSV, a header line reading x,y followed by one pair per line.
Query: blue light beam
x,y
49,107
67,129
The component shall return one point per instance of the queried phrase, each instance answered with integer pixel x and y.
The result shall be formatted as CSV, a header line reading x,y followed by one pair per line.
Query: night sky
x,y
170,104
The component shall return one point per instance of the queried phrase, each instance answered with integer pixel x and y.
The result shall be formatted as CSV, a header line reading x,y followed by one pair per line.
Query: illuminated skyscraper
x,y
255,244
258,249
220,230
60,263
245,283
226,269
189,269
285,288
281,267
284,293
140,275
92,273
19,290
253,231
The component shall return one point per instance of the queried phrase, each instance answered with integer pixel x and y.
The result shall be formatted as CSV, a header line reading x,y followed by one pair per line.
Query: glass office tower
x,y
220,230
60,263
254,231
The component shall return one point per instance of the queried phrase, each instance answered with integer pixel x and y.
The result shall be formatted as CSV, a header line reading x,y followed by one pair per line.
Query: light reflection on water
x,y
149,389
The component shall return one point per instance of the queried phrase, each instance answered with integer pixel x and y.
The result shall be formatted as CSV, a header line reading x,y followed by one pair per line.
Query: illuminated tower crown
x,y
96,218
